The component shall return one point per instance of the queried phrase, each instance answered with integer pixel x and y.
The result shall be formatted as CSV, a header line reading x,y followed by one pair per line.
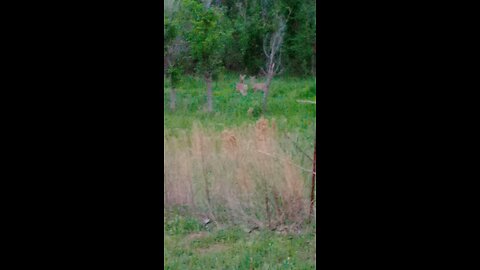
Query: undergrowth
x,y
231,109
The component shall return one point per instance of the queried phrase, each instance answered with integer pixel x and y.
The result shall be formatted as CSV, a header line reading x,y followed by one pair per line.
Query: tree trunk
x,y
265,93
208,80
314,60
173,98
173,94
314,177
314,68
265,97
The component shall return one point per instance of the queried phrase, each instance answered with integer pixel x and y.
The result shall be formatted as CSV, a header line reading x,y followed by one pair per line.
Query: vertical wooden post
x,y
314,176
314,170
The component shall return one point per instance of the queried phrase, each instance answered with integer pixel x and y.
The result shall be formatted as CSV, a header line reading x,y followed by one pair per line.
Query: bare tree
x,y
272,48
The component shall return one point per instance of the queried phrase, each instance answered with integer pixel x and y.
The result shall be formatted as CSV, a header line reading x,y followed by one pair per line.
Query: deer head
x,y
242,78
241,87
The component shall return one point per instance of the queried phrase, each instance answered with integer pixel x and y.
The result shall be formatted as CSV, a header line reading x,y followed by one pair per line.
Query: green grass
x,y
188,245
230,107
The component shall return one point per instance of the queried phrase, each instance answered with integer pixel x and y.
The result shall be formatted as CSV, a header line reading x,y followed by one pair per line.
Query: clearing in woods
x,y
249,175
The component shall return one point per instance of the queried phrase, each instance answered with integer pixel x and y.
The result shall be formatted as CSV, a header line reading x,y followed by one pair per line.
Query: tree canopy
x,y
230,34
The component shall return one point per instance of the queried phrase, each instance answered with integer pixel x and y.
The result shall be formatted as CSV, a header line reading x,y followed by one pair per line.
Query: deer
x,y
258,86
241,86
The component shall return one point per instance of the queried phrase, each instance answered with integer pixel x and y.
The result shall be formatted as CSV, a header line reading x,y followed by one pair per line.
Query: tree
x,y
272,48
207,36
174,45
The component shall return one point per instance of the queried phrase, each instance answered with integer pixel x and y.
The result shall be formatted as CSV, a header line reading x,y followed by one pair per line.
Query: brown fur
x,y
258,86
241,87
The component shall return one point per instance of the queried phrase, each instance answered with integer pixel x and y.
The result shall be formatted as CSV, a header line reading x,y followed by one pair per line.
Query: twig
x,y
307,101
285,160
300,149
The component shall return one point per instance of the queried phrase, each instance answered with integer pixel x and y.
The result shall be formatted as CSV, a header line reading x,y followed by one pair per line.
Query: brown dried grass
x,y
230,178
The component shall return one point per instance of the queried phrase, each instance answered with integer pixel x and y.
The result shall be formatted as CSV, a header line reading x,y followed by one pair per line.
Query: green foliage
x,y
207,36
301,35
177,224
175,74
172,25
173,33
230,34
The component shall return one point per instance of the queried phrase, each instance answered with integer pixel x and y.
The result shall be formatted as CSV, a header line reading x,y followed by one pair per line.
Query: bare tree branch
x,y
263,71
207,3
289,13
170,7
299,148
307,101
284,159
177,47
265,46
279,62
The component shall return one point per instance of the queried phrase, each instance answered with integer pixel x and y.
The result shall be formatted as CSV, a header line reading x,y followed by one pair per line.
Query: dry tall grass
x,y
240,176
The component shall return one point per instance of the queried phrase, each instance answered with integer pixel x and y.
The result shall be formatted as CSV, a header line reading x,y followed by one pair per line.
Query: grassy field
x,y
231,108
189,245
250,174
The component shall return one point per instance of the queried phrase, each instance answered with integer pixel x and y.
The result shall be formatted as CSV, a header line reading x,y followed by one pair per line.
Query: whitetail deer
x,y
258,86
242,87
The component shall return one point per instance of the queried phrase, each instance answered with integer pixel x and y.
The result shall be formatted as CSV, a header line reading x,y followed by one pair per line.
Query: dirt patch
x,y
213,249
195,236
